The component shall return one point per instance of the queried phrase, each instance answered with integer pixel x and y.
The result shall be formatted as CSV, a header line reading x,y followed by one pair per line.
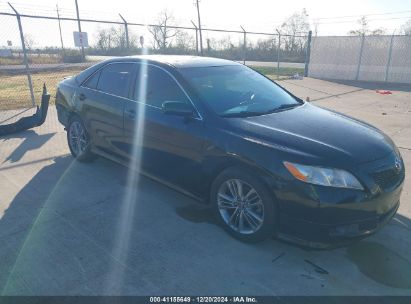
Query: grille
x,y
387,178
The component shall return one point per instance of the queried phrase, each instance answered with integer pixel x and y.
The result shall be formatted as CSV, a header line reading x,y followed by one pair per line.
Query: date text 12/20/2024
x,y
200,299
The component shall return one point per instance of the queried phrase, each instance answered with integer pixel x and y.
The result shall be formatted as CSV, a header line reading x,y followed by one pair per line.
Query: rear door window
x,y
115,79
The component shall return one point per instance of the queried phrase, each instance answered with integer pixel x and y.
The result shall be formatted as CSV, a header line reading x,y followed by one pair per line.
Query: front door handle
x,y
82,96
131,114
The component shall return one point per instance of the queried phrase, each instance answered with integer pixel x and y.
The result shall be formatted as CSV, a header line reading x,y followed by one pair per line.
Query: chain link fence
x,y
38,49
361,58
13,73
41,49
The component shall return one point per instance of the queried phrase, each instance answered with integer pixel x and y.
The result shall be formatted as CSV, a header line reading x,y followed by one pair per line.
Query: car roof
x,y
179,61
176,61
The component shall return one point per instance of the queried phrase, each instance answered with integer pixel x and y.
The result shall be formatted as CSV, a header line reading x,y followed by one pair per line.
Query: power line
x,y
36,9
354,16
353,21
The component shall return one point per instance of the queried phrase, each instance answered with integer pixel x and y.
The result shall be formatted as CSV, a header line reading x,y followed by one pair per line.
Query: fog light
x,y
345,230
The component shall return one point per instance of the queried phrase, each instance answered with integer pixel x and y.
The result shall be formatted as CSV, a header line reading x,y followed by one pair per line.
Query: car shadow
x,y
74,229
375,257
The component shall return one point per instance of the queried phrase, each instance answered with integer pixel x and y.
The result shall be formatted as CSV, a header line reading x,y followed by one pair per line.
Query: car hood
x,y
317,132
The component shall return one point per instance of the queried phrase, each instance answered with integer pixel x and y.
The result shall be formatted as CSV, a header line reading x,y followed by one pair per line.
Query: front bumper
x,y
319,216
317,235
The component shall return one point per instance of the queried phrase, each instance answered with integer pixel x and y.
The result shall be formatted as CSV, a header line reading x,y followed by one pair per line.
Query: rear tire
x,y
243,205
79,141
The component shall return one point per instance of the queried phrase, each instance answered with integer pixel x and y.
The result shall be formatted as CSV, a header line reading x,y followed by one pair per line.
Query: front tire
x,y
243,205
79,141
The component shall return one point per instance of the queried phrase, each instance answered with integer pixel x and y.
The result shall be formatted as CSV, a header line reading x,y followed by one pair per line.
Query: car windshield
x,y
237,91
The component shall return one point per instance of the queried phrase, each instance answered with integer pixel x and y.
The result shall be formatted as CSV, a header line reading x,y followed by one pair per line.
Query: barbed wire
x,y
66,12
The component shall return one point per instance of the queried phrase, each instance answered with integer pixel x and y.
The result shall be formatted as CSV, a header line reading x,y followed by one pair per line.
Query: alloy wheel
x,y
77,138
240,206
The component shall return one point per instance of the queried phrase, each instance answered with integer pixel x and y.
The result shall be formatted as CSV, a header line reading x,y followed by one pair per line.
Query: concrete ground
x,y
66,227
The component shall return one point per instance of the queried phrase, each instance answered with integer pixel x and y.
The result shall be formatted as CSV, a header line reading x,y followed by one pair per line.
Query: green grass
x,y
283,72
33,59
15,93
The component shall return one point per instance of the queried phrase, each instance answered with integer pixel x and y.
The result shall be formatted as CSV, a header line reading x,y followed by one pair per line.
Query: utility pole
x,y
278,53
61,36
79,29
308,53
244,44
126,32
196,29
199,27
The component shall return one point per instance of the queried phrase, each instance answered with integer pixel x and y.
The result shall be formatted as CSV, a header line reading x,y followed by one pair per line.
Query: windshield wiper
x,y
242,114
283,107
254,113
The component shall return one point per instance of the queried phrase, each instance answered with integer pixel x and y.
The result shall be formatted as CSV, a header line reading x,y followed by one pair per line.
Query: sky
x,y
257,15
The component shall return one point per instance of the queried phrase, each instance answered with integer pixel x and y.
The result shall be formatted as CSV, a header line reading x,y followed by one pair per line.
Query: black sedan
x,y
268,163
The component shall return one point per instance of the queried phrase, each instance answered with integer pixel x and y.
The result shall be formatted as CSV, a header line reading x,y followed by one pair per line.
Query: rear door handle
x,y
82,96
131,114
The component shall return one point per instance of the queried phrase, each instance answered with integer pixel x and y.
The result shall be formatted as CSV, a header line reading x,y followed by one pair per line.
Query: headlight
x,y
323,176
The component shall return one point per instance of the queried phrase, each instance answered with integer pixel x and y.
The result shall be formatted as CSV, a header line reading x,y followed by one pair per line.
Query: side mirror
x,y
177,108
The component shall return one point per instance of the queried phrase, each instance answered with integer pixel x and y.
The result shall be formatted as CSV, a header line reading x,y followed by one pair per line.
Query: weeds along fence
x,y
36,49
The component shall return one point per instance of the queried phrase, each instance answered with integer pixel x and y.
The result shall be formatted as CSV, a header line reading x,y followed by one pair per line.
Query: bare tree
x,y
113,38
103,39
184,41
263,49
265,44
295,25
364,29
378,32
224,43
29,42
161,32
406,28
